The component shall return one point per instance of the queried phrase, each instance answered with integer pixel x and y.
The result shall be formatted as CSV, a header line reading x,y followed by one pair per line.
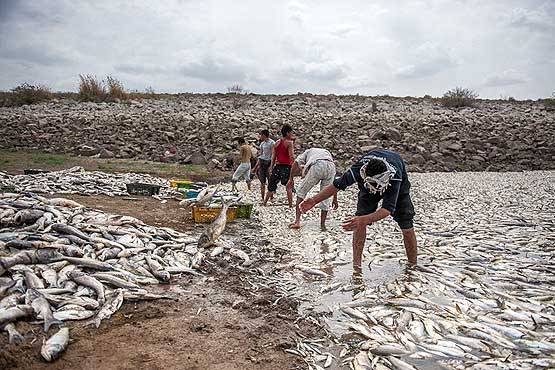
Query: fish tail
x,y
49,322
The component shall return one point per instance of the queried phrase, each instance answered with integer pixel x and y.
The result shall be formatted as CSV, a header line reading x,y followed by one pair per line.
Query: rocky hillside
x,y
197,128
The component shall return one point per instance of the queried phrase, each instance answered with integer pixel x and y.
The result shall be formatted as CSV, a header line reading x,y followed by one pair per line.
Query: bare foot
x,y
323,228
295,226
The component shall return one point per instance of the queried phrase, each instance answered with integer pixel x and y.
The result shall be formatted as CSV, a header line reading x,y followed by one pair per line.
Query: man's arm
x,y
294,169
290,149
273,163
325,193
355,222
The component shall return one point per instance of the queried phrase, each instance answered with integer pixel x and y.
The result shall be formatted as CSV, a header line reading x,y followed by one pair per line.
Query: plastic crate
x,y
244,211
191,194
181,184
208,214
142,189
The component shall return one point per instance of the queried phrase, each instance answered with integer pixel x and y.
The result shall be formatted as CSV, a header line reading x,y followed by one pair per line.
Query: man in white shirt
x,y
262,167
316,166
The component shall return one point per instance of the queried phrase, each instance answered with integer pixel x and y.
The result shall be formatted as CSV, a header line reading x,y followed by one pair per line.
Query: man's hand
x,y
355,222
306,205
334,203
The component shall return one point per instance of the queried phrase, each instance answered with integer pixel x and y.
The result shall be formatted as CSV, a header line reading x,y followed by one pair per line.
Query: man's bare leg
x,y
359,238
262,190
409,239
269,195
290,197
297,223
249,185
323,217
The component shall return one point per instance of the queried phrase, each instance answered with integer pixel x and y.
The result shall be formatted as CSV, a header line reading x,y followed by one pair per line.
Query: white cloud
x,y
381,47
429,59
505,78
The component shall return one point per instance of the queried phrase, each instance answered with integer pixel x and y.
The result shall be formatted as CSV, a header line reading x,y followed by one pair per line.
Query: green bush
x,y
29,94
459,97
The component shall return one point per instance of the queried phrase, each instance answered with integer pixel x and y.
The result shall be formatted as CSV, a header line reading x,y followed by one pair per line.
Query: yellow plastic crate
x,y
180,183
208,214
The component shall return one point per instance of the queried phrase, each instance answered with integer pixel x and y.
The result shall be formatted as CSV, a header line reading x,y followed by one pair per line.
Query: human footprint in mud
x,y
316,166
380,174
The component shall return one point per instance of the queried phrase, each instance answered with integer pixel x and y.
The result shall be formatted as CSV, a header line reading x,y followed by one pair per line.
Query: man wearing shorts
x,y
262,167
316,166
282,159
244,169
380,174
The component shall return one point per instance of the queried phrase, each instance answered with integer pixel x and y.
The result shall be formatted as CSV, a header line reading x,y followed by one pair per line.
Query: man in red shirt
x,y
280,168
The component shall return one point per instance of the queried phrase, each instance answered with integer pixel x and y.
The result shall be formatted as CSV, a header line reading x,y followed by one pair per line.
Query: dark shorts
x,y
263,167
403,215
280,173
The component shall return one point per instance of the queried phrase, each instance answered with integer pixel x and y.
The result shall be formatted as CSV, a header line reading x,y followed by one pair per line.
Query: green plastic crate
x,y
244,210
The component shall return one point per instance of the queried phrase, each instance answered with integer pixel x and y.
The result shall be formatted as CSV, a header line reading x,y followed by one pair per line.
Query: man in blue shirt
x,y
380,175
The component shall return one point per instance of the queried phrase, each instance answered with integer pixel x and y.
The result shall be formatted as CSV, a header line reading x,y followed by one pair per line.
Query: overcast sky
x,y
395,47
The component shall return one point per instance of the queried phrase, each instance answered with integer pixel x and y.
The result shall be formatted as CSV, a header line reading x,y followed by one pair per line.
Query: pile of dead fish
x,y
60,261
76,180
482,297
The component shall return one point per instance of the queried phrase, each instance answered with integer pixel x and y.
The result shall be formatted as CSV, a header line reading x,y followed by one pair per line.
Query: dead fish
x,y
89,263
217,251
216,228
27,216
89,281
59,300
240,254
15,313
388,349
114,281
400,364
311,271
5,285
112,305
27,257
207,197
55,345
32,281
14,337
157,269
69,230
41,307
67,315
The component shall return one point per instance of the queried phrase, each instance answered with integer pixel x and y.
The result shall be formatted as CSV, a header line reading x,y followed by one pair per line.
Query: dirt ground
x,y
215,322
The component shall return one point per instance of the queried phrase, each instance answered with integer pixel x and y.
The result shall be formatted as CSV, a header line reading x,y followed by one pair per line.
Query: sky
x,y
395,47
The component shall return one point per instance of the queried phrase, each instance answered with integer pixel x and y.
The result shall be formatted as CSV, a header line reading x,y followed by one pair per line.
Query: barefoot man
x,y
316,166
264,161
380,174
244,168
280,168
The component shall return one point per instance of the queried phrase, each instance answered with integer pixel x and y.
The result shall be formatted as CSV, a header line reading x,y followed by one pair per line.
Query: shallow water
x,y
487,239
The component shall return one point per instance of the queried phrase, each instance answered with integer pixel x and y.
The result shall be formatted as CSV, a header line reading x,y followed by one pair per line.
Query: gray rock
x,y
105,153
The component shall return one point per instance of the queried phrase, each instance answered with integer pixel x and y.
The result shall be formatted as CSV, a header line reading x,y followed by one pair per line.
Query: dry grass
x,y
91,89
115,89
25,94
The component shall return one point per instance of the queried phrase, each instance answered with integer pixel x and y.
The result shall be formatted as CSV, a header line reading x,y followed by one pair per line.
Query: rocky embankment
x,y
501,136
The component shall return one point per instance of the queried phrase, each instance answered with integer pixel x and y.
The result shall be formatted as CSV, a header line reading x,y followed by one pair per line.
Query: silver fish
x,y
89,281
41,307
53,347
